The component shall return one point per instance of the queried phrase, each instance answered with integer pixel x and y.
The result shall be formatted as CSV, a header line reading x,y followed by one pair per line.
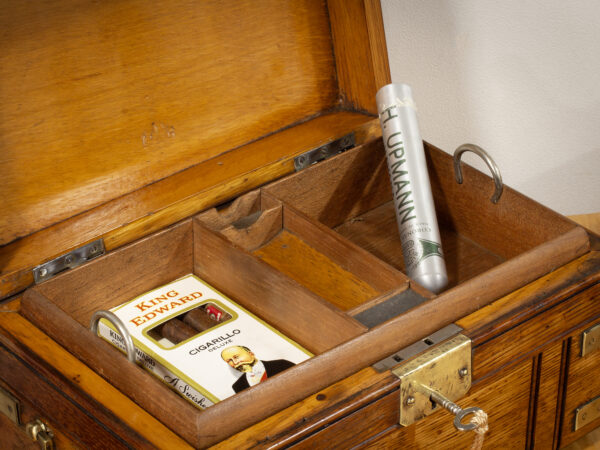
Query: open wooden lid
x,y
119,118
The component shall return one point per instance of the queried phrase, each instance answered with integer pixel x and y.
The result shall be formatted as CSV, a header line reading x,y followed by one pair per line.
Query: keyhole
x,y
433,404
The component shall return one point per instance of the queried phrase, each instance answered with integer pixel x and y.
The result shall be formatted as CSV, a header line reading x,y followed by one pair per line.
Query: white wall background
x,y
520,78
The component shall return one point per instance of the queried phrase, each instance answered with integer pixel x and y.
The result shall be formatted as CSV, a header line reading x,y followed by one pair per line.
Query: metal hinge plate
x,y
324,152
69,260
10,406
590,340
587,413
445,369
418,347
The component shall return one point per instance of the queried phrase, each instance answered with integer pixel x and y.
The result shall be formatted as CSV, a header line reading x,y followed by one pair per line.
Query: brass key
x,y
454,409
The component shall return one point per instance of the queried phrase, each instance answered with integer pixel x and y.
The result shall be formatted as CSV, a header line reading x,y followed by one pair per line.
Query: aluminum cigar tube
x,y
415,211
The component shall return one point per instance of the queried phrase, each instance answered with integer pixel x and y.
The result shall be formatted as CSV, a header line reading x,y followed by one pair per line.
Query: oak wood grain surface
x,y
100,99
281,301
298,260
547,404
555,323
171,199
358,36
351,257
376,231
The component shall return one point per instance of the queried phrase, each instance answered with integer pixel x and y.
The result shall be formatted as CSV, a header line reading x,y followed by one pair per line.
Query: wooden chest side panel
x,y
50,402
582,383
97,92
15,436
528,337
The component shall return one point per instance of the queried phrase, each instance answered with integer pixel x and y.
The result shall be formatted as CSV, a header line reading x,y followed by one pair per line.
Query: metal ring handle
x,y
112,318
488,160
461,415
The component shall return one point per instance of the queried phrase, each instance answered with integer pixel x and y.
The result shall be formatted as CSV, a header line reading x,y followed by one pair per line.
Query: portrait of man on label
x,y
253,369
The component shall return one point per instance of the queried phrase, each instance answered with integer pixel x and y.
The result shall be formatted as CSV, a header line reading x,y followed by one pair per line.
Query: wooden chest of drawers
x,y
172,133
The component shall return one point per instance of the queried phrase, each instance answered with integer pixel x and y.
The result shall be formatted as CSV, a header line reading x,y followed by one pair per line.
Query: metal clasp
x,y
443,372
488,160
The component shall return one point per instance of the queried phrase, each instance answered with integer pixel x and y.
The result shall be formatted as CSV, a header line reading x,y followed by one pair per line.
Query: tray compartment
x,y
305,251
354,198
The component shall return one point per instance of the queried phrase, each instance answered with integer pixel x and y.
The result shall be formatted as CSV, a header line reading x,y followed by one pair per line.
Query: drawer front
x,y
504,397
582,396
17,418
39,399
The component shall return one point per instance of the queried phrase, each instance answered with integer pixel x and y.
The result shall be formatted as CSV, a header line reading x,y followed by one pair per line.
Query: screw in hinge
x,y
43,272
463,372
410,400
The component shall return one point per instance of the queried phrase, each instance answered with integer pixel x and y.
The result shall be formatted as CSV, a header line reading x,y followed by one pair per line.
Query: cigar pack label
x,y
202,344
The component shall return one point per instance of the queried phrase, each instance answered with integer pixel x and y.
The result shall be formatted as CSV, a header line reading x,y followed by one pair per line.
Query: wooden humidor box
x,y
170,132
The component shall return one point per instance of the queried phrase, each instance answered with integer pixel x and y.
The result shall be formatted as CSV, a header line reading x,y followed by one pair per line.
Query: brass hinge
x,y
587,413
324,152
69,260
10,406
590,340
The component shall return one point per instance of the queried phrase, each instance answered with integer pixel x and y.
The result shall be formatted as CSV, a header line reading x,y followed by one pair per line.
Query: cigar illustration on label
x,y
415,211
187,325
177,331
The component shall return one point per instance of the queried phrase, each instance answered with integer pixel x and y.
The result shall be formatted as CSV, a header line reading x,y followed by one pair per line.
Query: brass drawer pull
x,y
127,341
488,160
39,432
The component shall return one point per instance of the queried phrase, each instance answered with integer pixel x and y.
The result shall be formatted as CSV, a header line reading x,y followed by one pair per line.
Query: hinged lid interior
x,y
102,99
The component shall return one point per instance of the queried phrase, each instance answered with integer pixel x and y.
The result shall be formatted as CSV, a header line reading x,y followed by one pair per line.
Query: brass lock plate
x,y
445,369
587,413
9,406
590,340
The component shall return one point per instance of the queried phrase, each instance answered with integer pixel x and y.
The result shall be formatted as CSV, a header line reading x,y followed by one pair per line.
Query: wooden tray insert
x,y
351,194
237,250
307,252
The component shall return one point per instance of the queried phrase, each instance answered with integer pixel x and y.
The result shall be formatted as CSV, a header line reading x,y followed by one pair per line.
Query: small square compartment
x,y
343,274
